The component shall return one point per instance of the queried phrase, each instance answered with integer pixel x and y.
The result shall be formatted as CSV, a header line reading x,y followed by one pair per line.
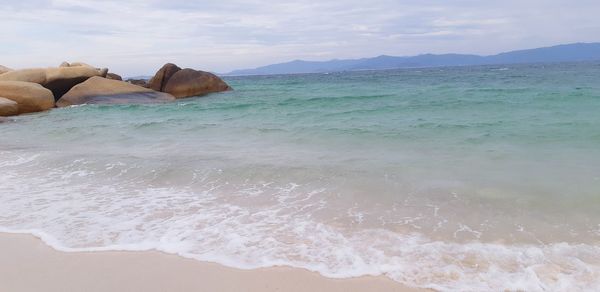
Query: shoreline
x,y
29,264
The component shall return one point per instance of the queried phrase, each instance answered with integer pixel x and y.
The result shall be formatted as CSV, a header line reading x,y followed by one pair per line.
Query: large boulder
x,y
76,64
82,64
138,82
190,82
58,80
4,69
98,90
159,81
61,80
113,76
37,75
8,107
31,97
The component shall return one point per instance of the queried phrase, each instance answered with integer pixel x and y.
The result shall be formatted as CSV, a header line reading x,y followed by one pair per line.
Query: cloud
x,y
136,37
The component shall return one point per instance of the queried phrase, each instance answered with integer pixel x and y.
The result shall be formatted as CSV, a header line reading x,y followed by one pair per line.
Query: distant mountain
x,y
561,53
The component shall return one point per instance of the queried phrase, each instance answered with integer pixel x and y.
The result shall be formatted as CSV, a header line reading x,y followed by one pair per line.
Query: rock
x,y
113,76
76,64
8,107
81,64
58,80
61,80
25,75
31,97
189,82
98,90
138,82
4,69
159,81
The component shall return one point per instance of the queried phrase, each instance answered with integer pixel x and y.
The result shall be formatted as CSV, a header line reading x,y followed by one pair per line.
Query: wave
x,y
417,262
89,205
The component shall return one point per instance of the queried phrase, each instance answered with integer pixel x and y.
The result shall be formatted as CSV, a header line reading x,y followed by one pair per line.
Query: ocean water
x,y
456,179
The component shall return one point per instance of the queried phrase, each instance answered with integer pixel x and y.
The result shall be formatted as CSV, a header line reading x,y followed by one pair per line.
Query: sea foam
x,y
263,225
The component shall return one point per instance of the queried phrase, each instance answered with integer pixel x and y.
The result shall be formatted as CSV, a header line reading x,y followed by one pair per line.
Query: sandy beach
x,y
27,264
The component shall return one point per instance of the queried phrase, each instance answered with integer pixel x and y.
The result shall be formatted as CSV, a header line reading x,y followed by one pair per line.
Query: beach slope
x,y
27,264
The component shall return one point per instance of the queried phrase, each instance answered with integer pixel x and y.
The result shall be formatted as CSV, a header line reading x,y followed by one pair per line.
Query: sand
x,y
27,264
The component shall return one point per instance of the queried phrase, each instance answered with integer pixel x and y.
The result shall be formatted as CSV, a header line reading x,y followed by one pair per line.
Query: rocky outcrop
x,y
81,64
25,75
4,69
8,107
113,76
76,64
159,81
58,80
189,82
38,89
61,80
30,97
98,90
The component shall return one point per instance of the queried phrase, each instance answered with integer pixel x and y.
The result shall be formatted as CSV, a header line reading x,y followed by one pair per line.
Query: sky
x,y
136,37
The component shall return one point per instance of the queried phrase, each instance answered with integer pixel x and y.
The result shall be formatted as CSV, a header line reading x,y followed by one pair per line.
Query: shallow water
x,y
476,178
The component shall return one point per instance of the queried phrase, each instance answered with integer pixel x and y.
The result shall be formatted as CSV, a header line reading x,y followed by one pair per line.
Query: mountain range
x,y
561,53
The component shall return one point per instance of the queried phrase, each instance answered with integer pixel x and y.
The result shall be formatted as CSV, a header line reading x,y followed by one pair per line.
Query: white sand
x,y
27,264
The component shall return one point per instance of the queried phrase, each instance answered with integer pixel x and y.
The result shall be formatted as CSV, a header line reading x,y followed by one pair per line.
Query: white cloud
x,y
136,37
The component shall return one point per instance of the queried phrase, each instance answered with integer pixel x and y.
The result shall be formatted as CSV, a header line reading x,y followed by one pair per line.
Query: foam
x,y
557,267
91,205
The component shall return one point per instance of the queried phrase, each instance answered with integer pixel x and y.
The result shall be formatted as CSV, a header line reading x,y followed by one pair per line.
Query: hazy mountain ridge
x,y
559,53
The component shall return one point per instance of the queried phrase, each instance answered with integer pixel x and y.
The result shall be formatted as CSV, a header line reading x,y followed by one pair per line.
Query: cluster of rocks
x,y
34,90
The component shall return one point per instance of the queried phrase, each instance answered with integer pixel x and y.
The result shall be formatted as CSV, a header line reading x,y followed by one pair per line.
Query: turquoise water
x,y
474,178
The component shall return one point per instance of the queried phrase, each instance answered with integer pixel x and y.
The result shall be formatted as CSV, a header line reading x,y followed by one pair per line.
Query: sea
x,y
481,178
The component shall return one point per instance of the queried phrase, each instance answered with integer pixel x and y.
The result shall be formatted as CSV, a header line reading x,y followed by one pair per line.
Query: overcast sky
x,y
136,37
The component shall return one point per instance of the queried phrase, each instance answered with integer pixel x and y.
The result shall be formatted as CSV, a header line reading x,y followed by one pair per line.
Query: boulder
x,y
4,69
30,97
159,81
98,90
139,82
190,82
25,75
113,76
76,64
81,64
61,80
8,107
58,80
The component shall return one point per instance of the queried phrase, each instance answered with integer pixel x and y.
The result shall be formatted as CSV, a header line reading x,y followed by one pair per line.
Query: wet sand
x,y
27,264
